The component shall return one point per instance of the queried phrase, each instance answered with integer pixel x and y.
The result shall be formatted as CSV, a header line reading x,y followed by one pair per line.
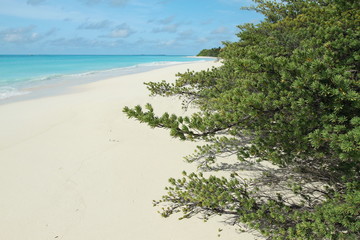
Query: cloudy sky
x,y
119,26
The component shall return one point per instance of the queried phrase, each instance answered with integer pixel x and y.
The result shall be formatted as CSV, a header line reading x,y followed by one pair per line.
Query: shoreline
x,y
26,74
74,167
61,84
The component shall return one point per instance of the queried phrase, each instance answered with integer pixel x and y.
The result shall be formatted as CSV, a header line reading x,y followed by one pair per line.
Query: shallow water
x,y
21,74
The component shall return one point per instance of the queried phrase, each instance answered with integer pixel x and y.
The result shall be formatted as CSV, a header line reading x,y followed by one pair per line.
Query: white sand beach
x,y
72,166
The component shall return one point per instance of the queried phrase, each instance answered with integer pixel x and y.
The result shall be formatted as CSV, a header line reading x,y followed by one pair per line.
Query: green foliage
x,y
213,52
334,218
288,93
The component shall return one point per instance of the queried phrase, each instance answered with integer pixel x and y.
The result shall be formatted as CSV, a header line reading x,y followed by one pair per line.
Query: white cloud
x,y
35,2
168,43
50,32
167,20
121,31
171,28
90,2
202,40
95,25
21,9
116,3
220,30
23,35
73,42
77,43
185,35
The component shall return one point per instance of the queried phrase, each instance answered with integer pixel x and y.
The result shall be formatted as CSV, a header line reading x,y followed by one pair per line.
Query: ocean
x,y
23,74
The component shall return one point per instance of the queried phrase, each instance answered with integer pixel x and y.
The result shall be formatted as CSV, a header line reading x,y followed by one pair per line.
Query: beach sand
x,y
72,166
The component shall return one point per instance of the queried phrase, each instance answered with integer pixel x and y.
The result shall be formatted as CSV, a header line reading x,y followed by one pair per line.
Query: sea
x,y
24,74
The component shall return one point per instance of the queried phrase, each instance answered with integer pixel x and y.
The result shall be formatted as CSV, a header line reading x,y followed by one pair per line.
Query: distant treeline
x,y
213,52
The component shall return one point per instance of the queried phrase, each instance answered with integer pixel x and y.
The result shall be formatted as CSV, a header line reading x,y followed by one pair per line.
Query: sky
x,y
173,27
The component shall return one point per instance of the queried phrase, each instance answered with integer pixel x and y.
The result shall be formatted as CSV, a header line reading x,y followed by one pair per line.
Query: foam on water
x,y
8,92
20,75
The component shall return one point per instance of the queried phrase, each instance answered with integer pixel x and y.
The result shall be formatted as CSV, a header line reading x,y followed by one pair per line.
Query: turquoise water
x,y
20,74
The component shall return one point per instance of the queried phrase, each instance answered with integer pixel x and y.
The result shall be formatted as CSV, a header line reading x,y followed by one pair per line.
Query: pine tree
x,y
213,52
288,93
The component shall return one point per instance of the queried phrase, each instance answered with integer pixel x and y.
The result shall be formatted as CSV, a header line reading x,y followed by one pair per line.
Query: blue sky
x,y
119,26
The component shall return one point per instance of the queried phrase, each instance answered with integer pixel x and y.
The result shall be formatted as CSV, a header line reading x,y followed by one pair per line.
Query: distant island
x,y
213,52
